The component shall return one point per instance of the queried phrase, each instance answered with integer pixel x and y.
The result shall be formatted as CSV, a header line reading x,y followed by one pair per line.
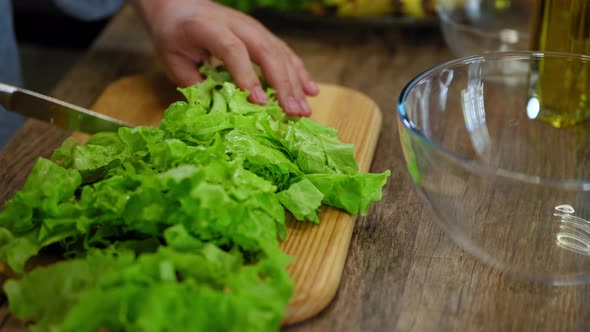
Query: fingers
x,y
282,69
291,92
238,40
296,92
181,69
232,51
235,55
309,86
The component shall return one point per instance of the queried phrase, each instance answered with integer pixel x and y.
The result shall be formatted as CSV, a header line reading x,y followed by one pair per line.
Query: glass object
x,y
478,26
511,190
562,26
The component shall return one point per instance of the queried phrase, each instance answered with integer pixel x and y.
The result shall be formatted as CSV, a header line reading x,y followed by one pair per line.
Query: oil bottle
x,y
562,26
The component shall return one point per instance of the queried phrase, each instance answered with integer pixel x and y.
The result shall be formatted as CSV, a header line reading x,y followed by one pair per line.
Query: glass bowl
x,y
478,26
507,187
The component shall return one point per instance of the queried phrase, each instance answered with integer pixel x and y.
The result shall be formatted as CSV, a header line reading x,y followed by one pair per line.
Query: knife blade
x,y
56,112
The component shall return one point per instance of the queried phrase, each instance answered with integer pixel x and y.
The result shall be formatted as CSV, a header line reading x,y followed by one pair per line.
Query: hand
x,y
185,32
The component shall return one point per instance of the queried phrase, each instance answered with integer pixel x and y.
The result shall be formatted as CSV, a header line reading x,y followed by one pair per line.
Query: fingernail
x,y
313,88
306,110
292,106
259,95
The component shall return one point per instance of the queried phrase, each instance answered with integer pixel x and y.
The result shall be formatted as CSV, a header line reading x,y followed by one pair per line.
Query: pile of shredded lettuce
x,y
176,228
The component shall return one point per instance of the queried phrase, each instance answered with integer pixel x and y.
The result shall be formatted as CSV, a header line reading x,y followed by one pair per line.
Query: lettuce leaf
x,y
317,149
353,193
45,192
303,199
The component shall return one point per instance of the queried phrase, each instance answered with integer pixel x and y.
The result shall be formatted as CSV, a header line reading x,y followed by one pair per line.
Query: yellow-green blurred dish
x,y
343,8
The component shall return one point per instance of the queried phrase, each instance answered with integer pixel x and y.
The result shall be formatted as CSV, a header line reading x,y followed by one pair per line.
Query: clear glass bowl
x,y
478,26
508,188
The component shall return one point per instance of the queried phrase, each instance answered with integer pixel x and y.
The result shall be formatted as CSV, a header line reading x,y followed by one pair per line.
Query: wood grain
x,y
319,251
402,272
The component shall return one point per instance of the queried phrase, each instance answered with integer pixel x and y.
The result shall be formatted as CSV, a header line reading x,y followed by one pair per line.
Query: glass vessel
x,y
562,89
509,189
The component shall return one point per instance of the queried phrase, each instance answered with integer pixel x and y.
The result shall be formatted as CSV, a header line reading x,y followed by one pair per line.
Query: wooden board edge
x,y
307,305
328,294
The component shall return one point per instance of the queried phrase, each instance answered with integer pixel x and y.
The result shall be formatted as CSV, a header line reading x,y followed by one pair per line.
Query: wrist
x,y
154,11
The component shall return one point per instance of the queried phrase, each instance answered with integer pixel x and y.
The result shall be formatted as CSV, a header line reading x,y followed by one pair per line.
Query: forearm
x,y
150,11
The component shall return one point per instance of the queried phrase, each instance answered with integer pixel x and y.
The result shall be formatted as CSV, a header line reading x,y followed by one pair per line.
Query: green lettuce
x,y
176,227
316,149
196,288
303,200
354,193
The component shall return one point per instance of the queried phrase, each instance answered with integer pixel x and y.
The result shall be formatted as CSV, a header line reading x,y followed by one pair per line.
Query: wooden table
x,y
402,273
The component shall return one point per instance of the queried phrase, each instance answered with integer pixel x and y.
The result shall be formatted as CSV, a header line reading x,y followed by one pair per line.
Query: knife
x,y
56,112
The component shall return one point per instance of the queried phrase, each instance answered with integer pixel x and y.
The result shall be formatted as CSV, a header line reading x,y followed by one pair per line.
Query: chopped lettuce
x,y
303,200
174,289
317,149
354,193
176,227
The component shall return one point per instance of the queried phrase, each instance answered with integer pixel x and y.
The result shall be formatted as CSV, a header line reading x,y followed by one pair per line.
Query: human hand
x,y
185,32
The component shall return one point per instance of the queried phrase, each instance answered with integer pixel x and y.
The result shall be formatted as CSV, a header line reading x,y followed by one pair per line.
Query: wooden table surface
x,y
402,272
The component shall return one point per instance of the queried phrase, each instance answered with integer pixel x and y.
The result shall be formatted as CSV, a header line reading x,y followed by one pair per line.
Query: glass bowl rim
x,y
473,165
445,17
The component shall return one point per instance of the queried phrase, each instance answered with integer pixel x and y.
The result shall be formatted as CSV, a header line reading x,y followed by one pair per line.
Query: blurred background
x,y
49,41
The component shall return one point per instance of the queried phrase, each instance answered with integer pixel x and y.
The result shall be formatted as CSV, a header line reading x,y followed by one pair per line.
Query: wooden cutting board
x,y
319,251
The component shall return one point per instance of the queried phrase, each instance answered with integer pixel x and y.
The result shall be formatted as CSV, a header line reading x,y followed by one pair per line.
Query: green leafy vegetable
x,y
303,199
353,193
317,149
176,227
196,288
